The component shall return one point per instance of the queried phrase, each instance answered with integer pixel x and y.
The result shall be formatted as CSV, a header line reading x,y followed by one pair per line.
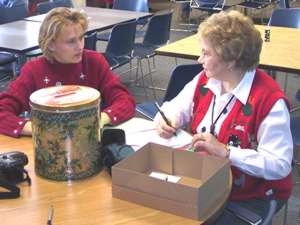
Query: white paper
x,y
140,132
164,176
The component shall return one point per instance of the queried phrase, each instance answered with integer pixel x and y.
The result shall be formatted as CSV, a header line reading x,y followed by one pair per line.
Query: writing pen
x,y
50,215
164,116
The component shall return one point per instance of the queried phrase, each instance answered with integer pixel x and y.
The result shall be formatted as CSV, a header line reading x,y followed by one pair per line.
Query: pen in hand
x,y
164,116
50,215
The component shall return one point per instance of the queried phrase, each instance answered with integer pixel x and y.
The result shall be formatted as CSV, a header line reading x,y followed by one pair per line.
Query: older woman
x,y
237,111
64,61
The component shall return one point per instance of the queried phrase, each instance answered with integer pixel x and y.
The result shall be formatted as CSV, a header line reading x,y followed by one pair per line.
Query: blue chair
x,y
285,17
44,7
157,34
255,5
284,4
16,12
180,76
10,14
210,6
63,3
130,5
90,40
7,60
120,45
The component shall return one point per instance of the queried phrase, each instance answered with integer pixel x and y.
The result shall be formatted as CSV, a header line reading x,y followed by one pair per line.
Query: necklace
x,y
224,111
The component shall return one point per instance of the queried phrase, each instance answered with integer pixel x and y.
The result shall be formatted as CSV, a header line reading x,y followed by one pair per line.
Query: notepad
x,y
140,132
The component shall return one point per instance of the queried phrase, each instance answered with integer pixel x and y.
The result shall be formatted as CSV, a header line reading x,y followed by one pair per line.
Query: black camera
x,y
12,172
13,159
12,166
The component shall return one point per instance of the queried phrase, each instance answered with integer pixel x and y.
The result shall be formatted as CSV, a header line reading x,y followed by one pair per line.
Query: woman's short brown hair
x,y
234,38
55,21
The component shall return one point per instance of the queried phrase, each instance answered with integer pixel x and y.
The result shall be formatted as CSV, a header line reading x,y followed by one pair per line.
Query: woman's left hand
x,y
208,142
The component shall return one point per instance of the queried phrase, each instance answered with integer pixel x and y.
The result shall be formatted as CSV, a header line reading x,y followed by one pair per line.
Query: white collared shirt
x,y
272,158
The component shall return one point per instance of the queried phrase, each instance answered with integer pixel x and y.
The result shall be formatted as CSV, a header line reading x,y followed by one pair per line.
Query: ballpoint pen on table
x,y
164,116
50,215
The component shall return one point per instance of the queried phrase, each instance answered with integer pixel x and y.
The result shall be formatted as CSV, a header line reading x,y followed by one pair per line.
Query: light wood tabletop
x,y
282,52
84,202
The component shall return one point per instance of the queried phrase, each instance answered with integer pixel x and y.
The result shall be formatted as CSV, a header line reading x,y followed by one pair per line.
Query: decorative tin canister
x,y
65,132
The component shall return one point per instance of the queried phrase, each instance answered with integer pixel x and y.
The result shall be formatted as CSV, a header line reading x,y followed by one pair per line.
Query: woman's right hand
x,y
164,130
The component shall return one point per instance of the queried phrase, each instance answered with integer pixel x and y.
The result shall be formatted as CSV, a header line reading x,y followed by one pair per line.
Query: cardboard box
x,y
205,180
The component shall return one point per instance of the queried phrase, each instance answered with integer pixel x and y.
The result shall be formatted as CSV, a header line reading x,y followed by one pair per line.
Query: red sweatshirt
x,y
92,71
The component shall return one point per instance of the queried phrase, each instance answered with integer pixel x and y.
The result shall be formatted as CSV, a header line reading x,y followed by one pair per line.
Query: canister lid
x,y
65,96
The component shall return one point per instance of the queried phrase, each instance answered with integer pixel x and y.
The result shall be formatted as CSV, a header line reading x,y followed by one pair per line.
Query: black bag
x,y
114,148
12,172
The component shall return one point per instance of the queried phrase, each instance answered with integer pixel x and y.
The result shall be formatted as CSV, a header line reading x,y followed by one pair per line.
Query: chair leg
x,y
285,83
151,78
154,66
14,69
130,70
142,77
285,213
21,60
137,71
176,61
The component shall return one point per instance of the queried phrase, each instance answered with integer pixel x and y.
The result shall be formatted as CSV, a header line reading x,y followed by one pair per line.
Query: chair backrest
x,y
209,4
132,5
289,17
90,41
44,7
16,12
284,4
158,31
181,75
63,3
121,39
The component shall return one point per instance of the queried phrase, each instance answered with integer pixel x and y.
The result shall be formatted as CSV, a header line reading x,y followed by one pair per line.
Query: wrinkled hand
x,y
164,130
208,142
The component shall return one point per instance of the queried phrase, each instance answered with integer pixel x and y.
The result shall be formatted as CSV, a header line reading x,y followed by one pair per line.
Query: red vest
x,y
247,117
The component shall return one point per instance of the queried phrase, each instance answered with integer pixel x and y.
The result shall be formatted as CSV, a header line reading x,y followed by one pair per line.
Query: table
x,y
22,36
282,53
84,202
19,36
101,18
